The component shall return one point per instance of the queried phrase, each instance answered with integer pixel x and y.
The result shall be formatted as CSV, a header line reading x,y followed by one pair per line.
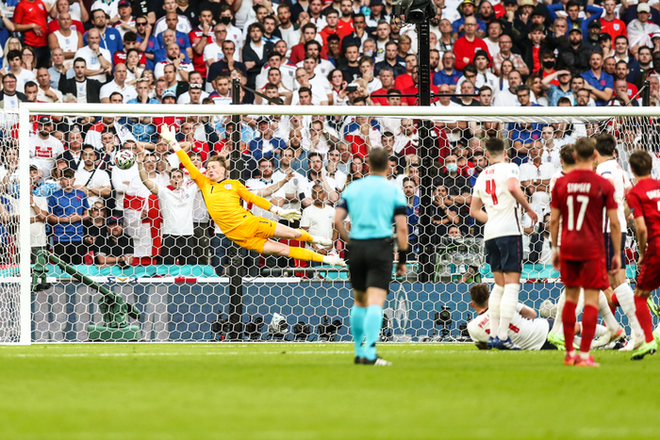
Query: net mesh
x,y
175,267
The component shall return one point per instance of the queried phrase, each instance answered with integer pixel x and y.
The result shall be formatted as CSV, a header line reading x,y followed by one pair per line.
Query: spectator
x,y
58,70
575,21
468,44
225,65
180,38
599,83
522,135
508,97
467,95
412,206
620,96
182,24
535,177
116,249
22,75
46,93
126,20
573,55
505,54
9,96
467,9
97,59
535,85
621,53
73,154
448,75
181,69
67,209
318,220
38,216
458,189
442,215
109,38
492,39
554,92
30,18
65,38
176,204
118,85
92,181
201,37
610,24
390,60
641,29
44,148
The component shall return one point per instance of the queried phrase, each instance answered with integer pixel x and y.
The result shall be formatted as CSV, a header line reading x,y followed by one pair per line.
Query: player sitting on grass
x,y
578,201
525,331
223,200
644,201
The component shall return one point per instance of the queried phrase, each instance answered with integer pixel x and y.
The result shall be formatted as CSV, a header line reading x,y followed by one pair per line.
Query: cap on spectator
x,y
527,3
168,92
45,120
123,3
263,119
114,220
469,2
195,86
656,34
643,7
34,168
594,24
575,29
605,37
481,53
376,3
510,2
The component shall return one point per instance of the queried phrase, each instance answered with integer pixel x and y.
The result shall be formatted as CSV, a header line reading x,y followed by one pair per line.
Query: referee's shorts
x,y
370,263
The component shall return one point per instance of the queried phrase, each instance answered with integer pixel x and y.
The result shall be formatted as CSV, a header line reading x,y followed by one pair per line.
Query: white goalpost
x,y
279,299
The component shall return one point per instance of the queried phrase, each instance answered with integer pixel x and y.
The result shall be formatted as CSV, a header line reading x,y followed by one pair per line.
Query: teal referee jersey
x,y
372,203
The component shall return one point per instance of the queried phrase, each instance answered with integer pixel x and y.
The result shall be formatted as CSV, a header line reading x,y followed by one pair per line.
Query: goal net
x,y
99,256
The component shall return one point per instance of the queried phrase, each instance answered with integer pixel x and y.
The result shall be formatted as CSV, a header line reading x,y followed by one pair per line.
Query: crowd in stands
x,y
306,53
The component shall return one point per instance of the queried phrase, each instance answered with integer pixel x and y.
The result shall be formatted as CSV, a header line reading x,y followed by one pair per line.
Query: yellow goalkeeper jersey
x,y
223,199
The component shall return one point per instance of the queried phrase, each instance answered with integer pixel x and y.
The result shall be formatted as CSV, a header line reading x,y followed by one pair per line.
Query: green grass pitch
x,y
313,391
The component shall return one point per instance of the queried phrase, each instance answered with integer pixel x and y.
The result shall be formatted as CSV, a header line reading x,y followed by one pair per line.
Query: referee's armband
x,y
401,210
342,204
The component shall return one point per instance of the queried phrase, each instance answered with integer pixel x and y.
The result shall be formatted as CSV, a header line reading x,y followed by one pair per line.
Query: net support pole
x,y
426,148
25,301
236,262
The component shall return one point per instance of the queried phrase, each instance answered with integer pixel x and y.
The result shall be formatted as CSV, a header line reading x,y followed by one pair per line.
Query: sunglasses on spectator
x,y
141,23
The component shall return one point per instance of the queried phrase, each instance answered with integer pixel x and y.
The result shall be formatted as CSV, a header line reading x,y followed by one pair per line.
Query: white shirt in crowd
x,y
176,207
319,221
43,152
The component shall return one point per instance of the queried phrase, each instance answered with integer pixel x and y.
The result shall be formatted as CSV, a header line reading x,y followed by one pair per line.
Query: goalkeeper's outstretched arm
x,y
168,134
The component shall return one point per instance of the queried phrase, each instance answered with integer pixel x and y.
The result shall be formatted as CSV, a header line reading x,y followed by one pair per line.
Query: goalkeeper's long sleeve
x,y
251,197
185,160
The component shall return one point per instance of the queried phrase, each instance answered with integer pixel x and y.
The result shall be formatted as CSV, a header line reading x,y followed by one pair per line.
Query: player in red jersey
x,y
578,201
644,202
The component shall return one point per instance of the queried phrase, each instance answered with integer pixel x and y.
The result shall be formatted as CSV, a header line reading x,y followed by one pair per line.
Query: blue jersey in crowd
x,y
64,204
371,203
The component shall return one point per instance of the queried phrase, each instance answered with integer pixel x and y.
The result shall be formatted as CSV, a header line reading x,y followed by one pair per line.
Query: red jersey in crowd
x,y
28,12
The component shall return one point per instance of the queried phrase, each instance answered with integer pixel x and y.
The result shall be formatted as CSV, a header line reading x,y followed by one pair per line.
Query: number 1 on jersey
x,y
491,190
583,201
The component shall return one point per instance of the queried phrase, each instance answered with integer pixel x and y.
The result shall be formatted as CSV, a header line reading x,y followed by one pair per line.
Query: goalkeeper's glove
x,y
168,134
289,214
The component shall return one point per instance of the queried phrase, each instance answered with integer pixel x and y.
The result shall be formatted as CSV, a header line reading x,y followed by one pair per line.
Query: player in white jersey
x,y
556,335
498,189
525,330
620,292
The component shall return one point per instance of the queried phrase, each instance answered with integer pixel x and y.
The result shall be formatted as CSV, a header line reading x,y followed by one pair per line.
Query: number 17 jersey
x,y
502,208
582,197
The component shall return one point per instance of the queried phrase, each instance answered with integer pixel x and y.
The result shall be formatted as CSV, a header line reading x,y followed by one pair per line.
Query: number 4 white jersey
x,y
611,170
502,208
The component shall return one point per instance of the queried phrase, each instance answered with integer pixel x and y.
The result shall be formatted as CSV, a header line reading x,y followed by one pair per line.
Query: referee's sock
x,y
357,328
373,321
304,254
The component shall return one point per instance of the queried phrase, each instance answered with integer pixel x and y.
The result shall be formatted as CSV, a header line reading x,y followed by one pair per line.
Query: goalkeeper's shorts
x,y
253,233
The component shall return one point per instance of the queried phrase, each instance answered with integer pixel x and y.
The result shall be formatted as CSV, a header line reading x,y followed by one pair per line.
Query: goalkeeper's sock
x,y
373,322
305,236
357,328
304,254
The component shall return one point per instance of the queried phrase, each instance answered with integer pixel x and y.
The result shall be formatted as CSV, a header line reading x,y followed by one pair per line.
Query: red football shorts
x,y
649,272
588,274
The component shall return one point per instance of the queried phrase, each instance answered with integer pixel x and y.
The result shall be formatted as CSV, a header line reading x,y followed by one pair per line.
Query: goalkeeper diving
x,y
223,196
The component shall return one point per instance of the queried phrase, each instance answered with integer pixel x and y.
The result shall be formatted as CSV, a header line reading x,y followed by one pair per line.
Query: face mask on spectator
x,y
225,20
368,53
452,167
548,64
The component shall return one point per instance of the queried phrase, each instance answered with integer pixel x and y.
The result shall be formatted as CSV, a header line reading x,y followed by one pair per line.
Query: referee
x,y
373,203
